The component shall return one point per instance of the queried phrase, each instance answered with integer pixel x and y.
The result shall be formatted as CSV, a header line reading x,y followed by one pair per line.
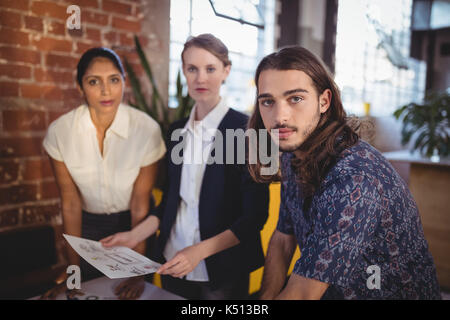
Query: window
x,y
246,43
372,56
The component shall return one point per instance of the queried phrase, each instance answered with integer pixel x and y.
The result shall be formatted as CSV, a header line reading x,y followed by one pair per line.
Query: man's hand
x,y
184,262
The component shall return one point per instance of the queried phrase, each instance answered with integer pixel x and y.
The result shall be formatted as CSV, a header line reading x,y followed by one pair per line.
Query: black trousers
x,y
99,226
196,290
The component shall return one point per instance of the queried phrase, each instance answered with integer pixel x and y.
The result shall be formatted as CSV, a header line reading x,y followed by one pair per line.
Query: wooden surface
x,y
430,186
415,157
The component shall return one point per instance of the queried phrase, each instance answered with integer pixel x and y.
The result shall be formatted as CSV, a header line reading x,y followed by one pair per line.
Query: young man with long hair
x,y
352,216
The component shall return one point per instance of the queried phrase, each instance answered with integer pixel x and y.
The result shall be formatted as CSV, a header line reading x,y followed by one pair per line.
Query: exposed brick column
x,y
38,57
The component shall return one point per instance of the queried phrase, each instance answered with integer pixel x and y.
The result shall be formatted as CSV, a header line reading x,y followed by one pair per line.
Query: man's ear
x,y
325,100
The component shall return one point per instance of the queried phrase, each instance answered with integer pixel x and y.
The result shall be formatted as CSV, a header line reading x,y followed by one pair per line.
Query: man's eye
x,y
296,99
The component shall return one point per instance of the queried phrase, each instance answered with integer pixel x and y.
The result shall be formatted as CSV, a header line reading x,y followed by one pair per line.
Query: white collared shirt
x,y
105,182
185,231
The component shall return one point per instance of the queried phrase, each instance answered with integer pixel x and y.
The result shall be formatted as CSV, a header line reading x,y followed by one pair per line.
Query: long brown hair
x,y
332,134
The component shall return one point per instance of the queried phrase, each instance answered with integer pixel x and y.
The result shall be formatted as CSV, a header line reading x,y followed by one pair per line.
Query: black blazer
x,y
229,199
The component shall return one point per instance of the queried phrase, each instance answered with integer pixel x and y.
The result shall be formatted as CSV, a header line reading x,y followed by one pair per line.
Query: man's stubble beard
x,y
305,135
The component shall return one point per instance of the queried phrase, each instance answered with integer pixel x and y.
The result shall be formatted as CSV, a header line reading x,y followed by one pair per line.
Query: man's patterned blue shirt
x,y
362,215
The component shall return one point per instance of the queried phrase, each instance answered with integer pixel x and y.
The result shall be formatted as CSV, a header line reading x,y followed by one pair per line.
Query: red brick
x,y
83,46
10,19
143,40
111,36
49,44
59,61
9,89
117,7
15,4
130,56
20,55
41,75
18,194
23,120
93,34
137,67
56,28
127,25
37,169
34,23
49,9
9,218
95,18
53,115
52,93
11,36
126,39
40,214
71,94
75,33
30,90
15,71
85,3
9,171
20,147
34,91
49,190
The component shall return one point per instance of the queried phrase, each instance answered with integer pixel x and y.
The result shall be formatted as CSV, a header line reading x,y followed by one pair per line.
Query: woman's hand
x,y
184,262
130,289
126,239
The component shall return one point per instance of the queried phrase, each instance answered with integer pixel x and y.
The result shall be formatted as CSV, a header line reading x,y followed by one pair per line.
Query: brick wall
x,y
38,57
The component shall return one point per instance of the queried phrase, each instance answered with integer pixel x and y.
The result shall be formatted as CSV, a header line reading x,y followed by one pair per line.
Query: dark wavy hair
x,y
333,133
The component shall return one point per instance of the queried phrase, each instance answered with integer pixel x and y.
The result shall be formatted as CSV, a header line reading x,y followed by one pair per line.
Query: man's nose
x,y
281,113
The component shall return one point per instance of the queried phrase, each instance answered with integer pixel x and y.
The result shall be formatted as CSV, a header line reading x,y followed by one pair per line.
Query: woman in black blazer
x,y
212,212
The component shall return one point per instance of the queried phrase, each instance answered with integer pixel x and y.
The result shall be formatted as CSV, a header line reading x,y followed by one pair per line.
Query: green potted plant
x,y
157,108
428,124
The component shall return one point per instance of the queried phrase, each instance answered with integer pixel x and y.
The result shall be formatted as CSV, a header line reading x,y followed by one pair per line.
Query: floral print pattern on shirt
x,y
363,215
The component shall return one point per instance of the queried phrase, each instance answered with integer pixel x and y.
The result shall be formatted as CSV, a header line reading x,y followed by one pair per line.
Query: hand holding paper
x,y
114,262
182,263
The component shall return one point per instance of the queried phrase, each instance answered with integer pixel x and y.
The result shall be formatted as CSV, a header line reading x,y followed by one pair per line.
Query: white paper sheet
x,y
115,262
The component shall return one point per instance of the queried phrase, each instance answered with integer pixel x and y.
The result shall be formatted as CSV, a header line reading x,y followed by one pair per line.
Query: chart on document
x,y
115,262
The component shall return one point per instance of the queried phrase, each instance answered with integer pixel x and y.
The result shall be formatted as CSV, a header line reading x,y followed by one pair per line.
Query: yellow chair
x,y
266,234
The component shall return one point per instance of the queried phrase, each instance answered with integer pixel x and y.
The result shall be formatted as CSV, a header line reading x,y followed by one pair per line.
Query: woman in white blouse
x,y
104,156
